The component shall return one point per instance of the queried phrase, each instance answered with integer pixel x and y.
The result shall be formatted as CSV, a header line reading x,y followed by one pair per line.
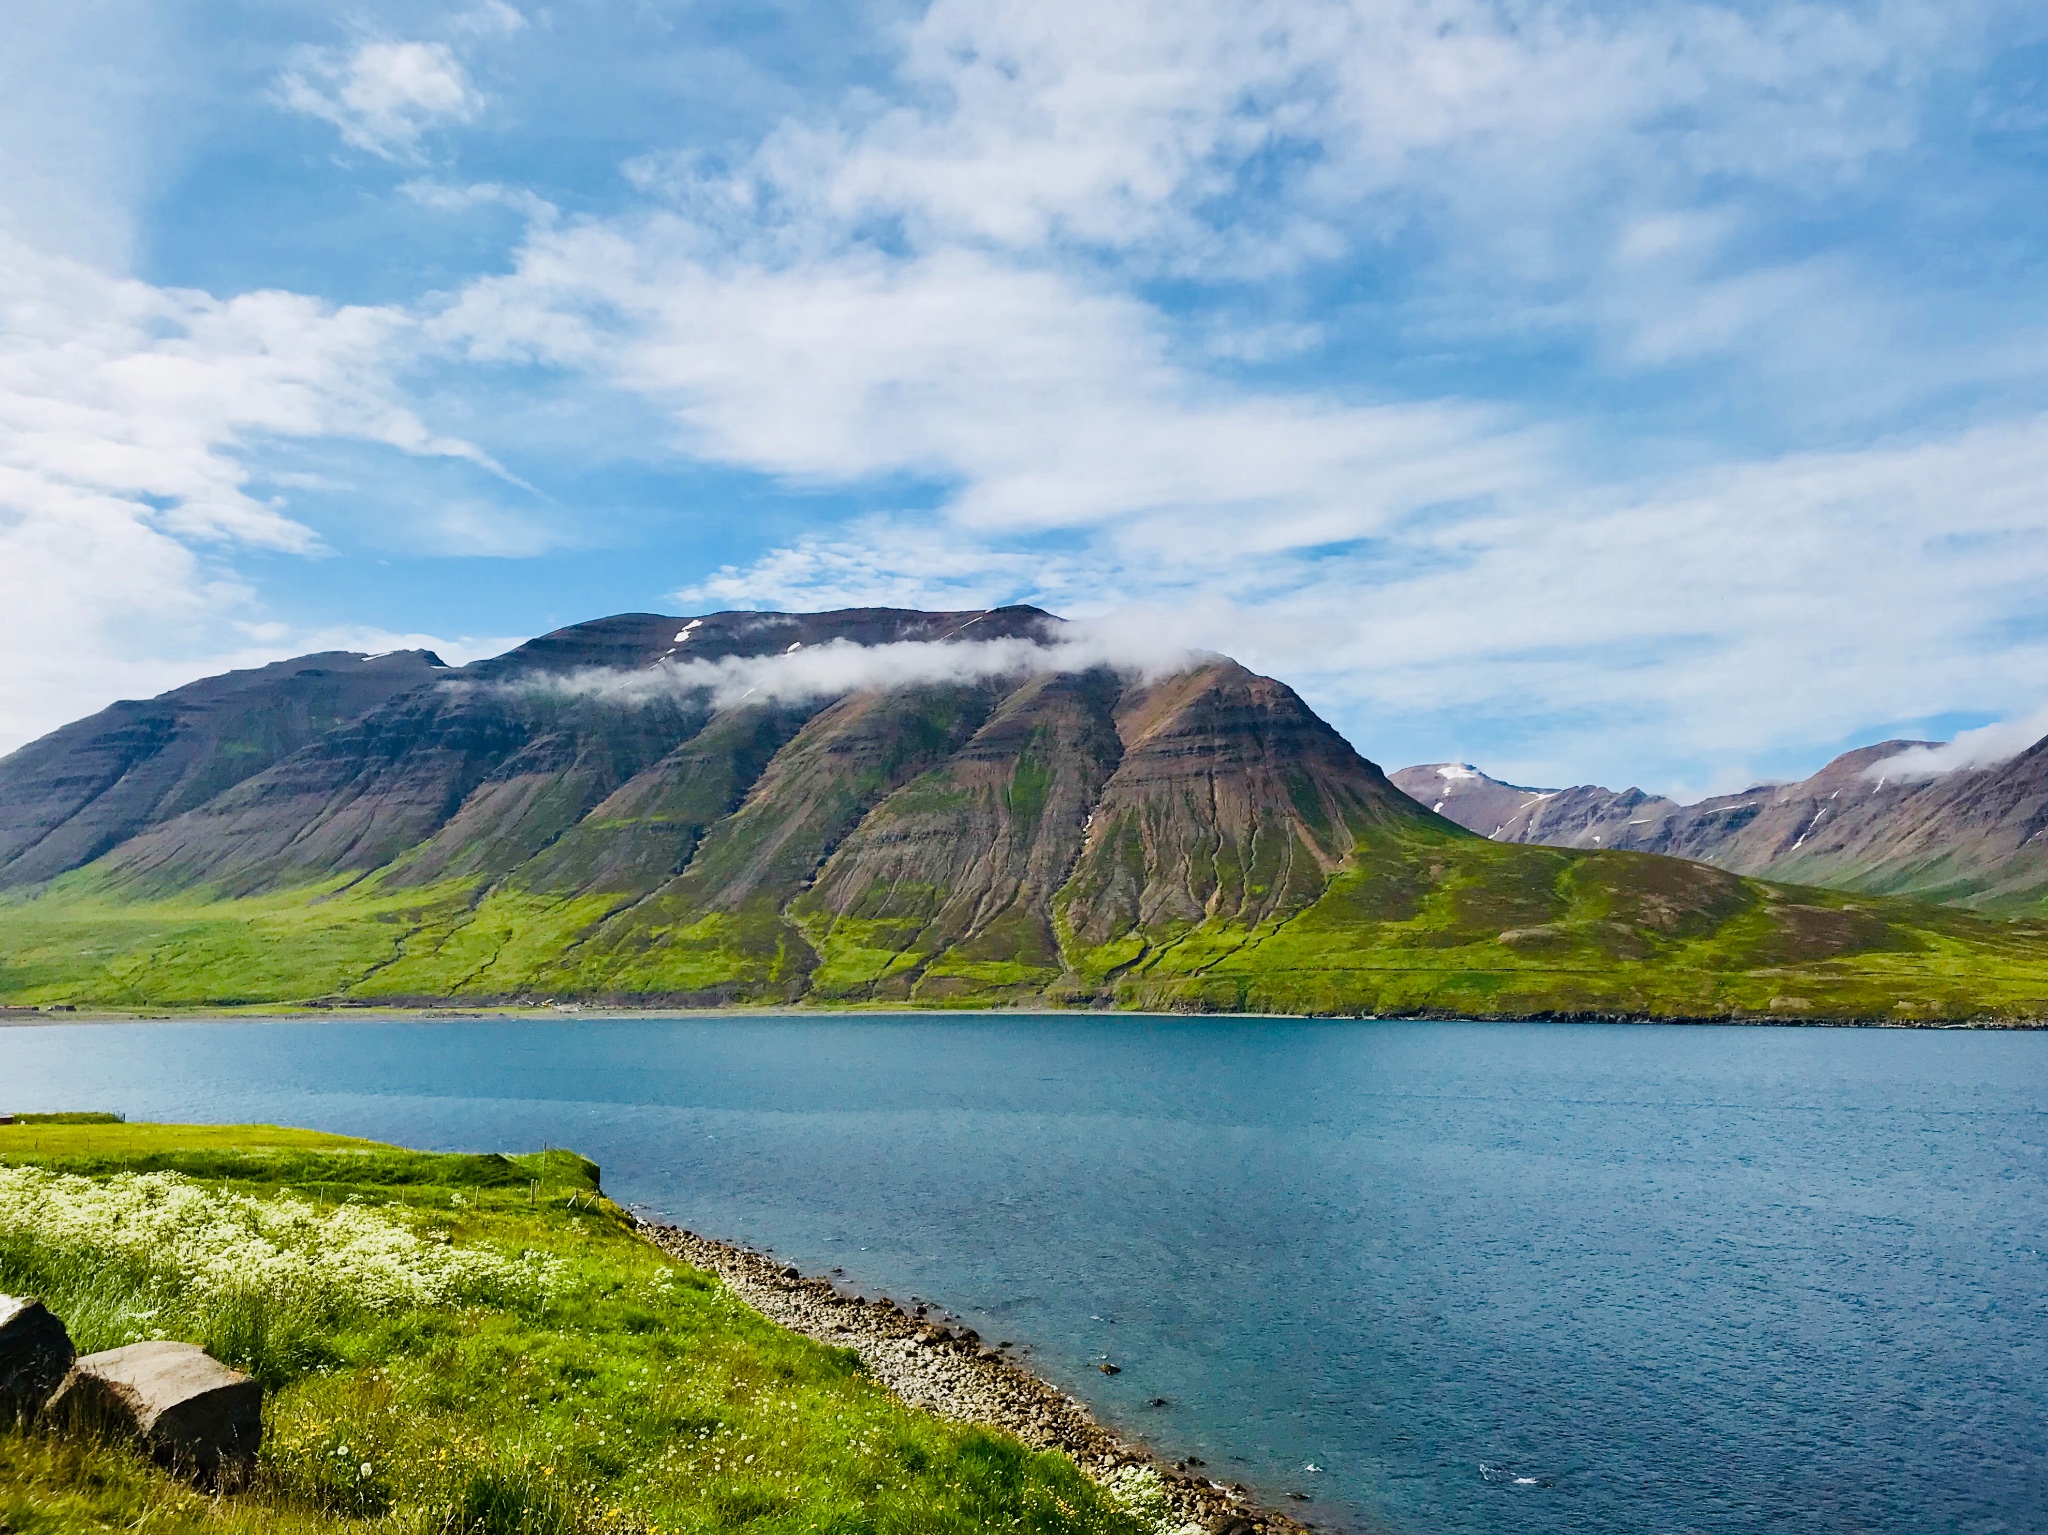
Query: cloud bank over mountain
x,y
1986,746
803,673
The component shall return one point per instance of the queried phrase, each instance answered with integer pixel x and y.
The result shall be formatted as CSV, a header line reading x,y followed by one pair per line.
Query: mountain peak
x,y
1968,836
630,641
1586,816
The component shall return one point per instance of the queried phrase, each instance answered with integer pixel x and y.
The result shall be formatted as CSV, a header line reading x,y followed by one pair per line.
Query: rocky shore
x,y
950,1371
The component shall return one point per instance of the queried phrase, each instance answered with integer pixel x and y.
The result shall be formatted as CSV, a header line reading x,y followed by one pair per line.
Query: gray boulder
x,y
35,1353
193,1413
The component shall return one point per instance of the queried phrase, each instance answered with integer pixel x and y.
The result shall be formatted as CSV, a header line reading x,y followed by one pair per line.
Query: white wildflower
x,y
210,1242
1139,1492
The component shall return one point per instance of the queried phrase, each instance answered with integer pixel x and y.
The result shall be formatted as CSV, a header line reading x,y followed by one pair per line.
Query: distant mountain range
x,y
877,806
1967,837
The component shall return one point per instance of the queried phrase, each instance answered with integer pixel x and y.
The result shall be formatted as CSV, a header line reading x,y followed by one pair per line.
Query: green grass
x,y
1416,923
627,1393
1476,928
42,1138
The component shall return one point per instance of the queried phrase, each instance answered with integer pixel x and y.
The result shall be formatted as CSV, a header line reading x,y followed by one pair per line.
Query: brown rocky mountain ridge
x,y
1969,837
359,828
455,779
86,788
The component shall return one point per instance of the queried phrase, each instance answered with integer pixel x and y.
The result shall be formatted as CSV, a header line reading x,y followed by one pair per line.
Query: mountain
x,y
1969,837
1585,816
81,790
878,806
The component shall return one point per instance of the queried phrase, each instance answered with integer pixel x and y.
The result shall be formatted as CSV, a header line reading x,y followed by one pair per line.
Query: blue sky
x,y
1642,394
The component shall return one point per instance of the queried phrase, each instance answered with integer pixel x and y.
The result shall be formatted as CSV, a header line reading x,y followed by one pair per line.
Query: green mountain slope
x,y
612,814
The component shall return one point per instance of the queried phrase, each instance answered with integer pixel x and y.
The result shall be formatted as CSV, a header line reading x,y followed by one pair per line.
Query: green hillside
x,y
584,819
1420,923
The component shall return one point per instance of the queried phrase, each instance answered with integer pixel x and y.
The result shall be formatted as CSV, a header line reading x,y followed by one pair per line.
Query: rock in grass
x,y
35,1353
192,1412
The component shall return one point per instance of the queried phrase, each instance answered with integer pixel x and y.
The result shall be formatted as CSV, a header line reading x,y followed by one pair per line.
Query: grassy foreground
x,y
461,1345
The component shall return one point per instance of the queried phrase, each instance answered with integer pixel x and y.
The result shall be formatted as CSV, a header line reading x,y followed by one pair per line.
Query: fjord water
x,y
1483,1277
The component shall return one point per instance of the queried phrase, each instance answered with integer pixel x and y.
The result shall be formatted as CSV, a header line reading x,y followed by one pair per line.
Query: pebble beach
x,y
950,1371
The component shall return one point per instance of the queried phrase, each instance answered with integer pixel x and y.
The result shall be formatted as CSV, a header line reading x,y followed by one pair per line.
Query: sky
x,y
1628,393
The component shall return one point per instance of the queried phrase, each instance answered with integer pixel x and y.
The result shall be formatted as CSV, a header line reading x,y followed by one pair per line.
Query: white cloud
x,y
444,197
1986,746
1049,403
945,282
1620,632
881,562
382,96
1798,599
953,278
127,414
1245,138
493,18
839,667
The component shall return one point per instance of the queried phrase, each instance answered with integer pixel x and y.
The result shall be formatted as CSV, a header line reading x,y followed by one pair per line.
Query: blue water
x,y
1650,1279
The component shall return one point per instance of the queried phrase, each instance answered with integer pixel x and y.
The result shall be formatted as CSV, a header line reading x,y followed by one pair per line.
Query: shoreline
x,y
30,1015
951,1372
